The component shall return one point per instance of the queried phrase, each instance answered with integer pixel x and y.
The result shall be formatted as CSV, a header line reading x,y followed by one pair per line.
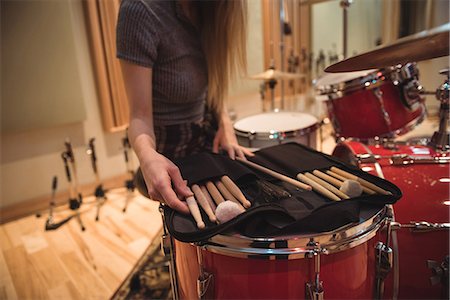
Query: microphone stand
x,y
129,184
99,191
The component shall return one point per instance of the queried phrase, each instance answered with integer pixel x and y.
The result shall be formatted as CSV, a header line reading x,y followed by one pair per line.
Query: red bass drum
x,y
421,215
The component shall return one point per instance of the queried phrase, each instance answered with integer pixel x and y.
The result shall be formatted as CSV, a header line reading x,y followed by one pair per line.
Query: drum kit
x,y
400,251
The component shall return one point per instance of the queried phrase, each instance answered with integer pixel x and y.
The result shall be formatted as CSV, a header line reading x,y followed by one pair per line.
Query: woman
x,y
177,59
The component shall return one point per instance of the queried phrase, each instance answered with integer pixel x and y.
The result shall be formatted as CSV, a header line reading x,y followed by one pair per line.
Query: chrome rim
x,y
301,246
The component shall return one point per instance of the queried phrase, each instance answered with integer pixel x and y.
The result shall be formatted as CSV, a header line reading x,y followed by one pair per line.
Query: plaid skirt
x,y
176,141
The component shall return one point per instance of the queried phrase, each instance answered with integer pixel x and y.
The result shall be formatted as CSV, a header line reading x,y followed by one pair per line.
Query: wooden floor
x,y
71,264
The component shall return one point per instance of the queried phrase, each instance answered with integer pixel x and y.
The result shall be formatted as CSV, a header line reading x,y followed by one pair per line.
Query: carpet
x,y
150,278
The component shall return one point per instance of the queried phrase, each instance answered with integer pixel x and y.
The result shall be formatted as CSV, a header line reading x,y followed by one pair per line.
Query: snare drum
x,y
423,212
373,103
270,129
338,264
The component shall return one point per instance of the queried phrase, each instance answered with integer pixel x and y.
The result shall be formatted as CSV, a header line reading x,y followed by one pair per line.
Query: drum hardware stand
x,y
168,250
315,291
440,274
75,198
345,4
379,95
205,279
384,263
262,94
50,222
272,83
129,184
99,193
440,139
421,226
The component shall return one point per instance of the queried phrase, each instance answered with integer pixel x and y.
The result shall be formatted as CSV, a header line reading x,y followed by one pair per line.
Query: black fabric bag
x,y
297,211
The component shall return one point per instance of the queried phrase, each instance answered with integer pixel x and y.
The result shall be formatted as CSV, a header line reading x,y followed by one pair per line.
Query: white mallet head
x,y
352,188
227,210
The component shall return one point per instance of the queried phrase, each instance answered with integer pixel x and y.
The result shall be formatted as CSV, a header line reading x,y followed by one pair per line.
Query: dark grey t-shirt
x,y
156,34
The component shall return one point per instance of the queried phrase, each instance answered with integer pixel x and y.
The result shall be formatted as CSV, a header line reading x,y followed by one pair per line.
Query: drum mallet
x,y
234,189
203,202
317,187
342,179
226,194
328,186
360,180
275,174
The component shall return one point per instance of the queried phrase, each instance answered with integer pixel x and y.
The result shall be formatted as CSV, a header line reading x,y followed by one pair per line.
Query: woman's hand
x,y
164,182
225,139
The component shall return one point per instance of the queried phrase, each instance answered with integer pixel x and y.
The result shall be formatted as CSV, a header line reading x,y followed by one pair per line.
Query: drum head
x,y
335,78
275,122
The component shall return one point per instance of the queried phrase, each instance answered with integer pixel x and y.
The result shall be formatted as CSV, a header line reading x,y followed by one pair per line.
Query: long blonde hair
x,y
224,38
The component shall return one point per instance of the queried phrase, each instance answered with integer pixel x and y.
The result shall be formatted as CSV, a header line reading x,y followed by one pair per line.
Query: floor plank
x,y
69,263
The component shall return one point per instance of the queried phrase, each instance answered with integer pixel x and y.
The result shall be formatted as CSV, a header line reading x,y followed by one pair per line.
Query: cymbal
x,y
424,45
275,74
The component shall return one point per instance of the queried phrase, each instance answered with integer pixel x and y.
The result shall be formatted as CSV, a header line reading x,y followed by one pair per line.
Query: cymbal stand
x,y
99,191
129,184
285,29
272,83
50,222
75,198
345,4
440,138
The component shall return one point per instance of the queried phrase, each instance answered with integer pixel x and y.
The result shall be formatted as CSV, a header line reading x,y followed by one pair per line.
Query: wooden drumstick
x,y
342,178
275,174
336,175
317,187
235,191
195,211
203,202
226,193
360,180
330,179
208,197
328,186
214,192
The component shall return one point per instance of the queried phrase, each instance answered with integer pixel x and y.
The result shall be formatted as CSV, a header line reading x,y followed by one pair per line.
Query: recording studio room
x,y
225,149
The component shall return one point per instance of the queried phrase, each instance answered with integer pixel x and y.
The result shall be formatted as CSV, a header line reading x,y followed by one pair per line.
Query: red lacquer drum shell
x,y
280,268
425,188
374,103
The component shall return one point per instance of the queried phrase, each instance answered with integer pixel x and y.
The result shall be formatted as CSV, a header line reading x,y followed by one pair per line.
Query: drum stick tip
x,y
201,225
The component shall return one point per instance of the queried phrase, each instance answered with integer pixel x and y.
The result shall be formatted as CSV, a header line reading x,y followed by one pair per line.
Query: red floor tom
x,y
421,215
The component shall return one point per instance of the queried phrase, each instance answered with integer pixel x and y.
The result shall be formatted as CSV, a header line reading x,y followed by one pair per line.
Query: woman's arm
x,y
226,139
158,171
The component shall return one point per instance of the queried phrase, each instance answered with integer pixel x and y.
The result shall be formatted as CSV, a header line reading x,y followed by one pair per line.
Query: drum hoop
x,y
277,135
303,246
366,82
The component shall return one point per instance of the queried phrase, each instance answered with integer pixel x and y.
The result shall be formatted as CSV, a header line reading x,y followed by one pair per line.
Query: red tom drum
x,y
374,103
421,215
339,264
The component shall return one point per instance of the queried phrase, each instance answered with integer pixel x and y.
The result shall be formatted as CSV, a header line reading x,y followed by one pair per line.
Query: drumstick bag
x,y
298,211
